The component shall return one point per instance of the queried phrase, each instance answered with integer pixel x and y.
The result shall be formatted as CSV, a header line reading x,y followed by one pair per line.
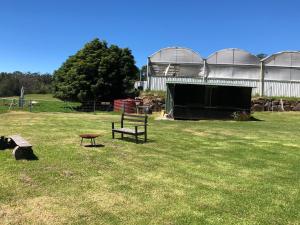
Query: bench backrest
x,y
134,118
20,141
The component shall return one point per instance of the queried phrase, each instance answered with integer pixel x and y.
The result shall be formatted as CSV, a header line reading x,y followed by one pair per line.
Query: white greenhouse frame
x,y
275,75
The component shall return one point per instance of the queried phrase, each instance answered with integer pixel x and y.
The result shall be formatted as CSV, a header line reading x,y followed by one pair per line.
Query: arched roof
x,y
233,56
285,58
176,55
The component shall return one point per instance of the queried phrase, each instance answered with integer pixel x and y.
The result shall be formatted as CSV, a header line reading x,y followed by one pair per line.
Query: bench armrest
x,y
142,125
113,124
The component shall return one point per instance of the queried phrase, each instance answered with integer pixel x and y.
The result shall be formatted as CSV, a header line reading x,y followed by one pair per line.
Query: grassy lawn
x,y
190,172
2,109
47,97
44,103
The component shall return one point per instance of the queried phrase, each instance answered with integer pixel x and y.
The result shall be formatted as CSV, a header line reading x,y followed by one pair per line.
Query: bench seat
x,y
22,148
127,131
19,141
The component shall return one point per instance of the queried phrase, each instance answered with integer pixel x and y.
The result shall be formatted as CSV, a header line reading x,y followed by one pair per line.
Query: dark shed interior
x,y
196,101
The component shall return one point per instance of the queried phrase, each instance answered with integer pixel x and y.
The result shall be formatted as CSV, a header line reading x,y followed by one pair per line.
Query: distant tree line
x,y
33,83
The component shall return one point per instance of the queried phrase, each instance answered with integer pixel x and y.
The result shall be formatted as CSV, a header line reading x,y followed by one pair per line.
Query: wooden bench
x,y
135,121
22,147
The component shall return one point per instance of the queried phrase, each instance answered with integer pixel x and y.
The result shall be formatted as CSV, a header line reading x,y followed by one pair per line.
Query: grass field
x,y
44,103
2,110
190,172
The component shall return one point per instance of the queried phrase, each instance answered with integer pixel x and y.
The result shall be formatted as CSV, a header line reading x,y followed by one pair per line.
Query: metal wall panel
x,y
246,82
272,87
277,73
282,88
282,73
234,71
159,83
295,74
220,71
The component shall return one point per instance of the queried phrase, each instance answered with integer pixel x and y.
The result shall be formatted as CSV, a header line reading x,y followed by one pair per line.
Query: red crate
x,y
128,105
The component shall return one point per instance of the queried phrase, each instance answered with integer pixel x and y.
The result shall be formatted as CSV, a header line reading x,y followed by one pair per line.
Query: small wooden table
x,y
89,136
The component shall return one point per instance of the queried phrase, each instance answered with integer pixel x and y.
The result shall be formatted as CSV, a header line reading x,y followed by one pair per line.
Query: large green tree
x,y
96,72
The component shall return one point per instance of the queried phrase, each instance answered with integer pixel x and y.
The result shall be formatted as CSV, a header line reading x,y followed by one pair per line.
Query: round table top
x,y
89,135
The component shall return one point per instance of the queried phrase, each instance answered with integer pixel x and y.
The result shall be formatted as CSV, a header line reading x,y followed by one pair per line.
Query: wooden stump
x,y
22,153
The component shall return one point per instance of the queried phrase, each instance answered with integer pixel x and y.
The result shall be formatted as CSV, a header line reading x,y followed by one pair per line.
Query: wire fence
x,y
43,105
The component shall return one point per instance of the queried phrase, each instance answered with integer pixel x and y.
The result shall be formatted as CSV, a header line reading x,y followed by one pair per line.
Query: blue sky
x,y
39,35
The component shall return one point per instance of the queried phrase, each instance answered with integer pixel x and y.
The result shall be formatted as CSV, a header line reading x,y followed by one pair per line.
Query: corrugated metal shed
x,y
190,100
175,61
276,75
158,83
208,83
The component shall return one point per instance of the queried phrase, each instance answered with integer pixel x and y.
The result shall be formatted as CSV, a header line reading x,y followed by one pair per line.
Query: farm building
x,y
191,100
276,75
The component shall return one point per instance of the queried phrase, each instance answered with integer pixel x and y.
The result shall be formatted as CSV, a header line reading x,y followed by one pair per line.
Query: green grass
x,y
48,97
53,106
44,103
37,97
190,172
3,109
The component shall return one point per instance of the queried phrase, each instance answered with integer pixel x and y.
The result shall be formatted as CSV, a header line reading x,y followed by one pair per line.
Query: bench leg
x,y
122,135
81,141
92,141
113,135
136,139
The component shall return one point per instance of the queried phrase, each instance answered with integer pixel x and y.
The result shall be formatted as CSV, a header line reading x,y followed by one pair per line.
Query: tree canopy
x,y
96,72
261,55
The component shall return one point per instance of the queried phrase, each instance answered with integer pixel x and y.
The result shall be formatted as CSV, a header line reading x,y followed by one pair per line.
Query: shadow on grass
x,y
23,154
220,119
29,156
94,146
254,119
130,139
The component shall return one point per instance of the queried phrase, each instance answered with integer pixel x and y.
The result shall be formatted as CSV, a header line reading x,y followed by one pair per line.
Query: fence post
x,y
30,105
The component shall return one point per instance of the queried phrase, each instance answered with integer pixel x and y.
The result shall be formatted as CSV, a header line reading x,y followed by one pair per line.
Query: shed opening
x,y
196,101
